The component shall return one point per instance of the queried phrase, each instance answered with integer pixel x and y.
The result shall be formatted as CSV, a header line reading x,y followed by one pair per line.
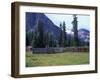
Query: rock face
x,y
84,35
49,26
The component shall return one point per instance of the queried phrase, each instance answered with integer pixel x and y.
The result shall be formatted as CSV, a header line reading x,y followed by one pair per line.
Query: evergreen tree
x,y
46,39
75,30
35,41
64,35
38,40
29,38
51,40
60,36
41,33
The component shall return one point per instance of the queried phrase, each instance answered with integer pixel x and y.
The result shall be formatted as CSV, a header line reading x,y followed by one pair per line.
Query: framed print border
x,y
15,38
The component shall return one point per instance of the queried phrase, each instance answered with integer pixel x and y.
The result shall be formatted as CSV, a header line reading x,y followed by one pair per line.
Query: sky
x,y
83,20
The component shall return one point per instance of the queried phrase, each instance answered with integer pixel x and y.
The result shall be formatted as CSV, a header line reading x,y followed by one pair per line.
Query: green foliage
x,y
40,35
38,39
64,34
60,37
29,38
75,29
63,37
35,41
43,39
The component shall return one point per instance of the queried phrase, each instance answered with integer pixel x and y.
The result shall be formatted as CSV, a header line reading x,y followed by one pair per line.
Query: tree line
x,y
44,39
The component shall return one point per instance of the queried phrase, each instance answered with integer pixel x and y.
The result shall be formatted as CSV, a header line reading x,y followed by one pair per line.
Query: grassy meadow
x,y
65,58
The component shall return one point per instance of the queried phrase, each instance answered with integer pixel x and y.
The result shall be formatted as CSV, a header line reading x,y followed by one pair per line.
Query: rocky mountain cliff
x,y
49,26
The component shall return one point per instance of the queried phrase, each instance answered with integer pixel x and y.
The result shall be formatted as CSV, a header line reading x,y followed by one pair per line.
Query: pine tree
x,y
51,40
60,36
29,38
35,41
38,40
46,39
64,34
41,34
75,29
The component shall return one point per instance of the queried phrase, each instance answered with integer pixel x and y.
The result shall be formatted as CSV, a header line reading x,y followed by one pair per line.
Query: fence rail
x,y
60,49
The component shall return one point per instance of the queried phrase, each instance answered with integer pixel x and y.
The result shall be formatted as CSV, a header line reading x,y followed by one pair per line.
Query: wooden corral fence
x,y
60,49
29,48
